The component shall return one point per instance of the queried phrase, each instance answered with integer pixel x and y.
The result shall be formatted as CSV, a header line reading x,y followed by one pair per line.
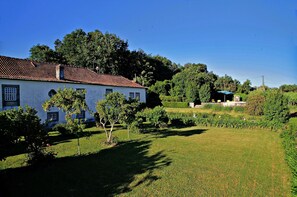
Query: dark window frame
x,y
137,95
132,93
108,91
51,93
48,116
82,114
10,103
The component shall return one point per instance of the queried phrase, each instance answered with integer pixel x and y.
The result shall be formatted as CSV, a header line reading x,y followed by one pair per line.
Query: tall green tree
x,y
245,88
205,93
188,82
106,53
43,53
72,102
226,83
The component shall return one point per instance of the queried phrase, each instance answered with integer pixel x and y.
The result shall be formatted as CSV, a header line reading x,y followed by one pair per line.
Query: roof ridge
x,y
83,75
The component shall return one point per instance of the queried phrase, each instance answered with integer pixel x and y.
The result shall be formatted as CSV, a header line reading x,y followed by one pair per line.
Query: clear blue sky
x,y
241,38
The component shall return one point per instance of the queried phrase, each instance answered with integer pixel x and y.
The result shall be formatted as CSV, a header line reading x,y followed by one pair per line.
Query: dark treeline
x,y
106,53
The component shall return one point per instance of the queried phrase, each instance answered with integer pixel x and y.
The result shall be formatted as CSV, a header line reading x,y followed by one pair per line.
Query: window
x,y
53,116
82,113
137,95
51,93
131,95
108,91
10,95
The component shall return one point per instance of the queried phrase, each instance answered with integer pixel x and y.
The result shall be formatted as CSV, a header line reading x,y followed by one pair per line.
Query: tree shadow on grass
x,y
109,172
293,115
57,139
163,133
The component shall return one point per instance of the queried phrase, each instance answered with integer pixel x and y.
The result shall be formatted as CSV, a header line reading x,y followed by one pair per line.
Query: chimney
x,y
60,72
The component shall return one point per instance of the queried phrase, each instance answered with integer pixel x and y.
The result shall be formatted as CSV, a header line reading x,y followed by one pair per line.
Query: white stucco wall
x,y
34,93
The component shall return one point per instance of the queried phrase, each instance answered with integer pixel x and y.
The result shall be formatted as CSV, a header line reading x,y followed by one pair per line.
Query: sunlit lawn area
x,y
191,161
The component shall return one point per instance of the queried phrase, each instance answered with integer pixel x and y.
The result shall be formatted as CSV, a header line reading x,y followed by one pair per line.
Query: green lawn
x,y
190,161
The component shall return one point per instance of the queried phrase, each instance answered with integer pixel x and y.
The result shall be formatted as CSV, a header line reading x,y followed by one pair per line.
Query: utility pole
x,y
263,80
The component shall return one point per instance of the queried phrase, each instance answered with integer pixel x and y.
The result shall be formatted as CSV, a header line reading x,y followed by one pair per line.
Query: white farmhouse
x,y
24,82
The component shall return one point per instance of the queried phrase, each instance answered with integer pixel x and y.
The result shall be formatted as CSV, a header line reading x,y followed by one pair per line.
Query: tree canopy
x,y
106,53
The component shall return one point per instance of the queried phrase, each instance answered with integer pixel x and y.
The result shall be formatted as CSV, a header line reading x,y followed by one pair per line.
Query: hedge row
x,y
289,144
217,107
172,98
225,120
175,104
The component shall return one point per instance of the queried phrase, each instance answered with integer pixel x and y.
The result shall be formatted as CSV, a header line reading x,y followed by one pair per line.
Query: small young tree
x,y
72,102
110,110
129,110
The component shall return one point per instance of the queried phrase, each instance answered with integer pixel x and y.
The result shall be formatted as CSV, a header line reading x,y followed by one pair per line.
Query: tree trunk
x,y
128,128
110,134
78,146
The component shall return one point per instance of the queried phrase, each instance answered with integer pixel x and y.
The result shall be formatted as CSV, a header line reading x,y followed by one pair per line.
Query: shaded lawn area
x,y
191,161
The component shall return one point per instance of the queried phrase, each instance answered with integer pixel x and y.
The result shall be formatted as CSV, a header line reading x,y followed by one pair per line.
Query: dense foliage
x,y
221,120
175,104
114,109
72,102
276,106
218,107
288,88
106,53
156,116
255,103
292,98
22,125
289,143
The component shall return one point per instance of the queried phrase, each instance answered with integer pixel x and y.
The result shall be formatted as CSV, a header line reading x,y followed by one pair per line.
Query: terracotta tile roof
x,y
14,68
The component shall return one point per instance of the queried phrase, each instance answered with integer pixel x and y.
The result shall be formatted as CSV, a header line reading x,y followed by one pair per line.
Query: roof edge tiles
x,y
24,69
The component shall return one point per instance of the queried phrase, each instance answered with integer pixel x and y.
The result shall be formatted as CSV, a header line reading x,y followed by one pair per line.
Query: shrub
x,y
175,104
24,122
276,107
62,129
292,98
156,116
171,98
255,103
293,125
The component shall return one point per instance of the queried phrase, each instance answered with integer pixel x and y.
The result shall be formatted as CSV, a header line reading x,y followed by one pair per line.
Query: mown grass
x,y
191,161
